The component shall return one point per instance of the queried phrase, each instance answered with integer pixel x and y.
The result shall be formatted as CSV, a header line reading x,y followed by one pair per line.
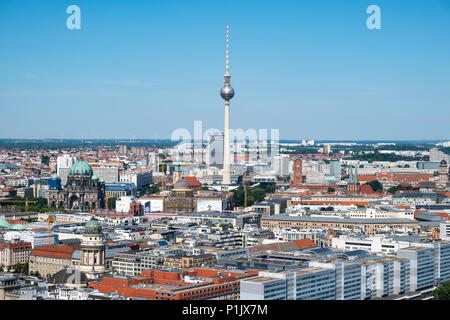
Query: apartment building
x,y
132,263
13,252
188,261
48,260
361,277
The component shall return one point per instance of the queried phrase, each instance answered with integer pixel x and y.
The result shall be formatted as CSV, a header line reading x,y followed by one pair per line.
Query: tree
x,y
154,188
330,189
442,292
376,185
393,190
45,160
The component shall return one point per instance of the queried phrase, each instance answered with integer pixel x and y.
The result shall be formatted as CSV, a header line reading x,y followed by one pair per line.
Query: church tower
x,y
443,175
92,250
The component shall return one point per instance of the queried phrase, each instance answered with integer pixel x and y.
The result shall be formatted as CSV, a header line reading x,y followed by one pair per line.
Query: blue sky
x,y
145,68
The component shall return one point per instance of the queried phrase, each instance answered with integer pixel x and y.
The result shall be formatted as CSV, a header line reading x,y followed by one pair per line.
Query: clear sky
x,y
145,68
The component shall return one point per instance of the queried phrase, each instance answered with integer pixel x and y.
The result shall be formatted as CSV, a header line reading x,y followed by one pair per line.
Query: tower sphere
x,y
227,93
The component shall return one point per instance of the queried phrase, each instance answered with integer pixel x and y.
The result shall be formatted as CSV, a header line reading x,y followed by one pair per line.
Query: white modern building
x,y
141,178
63,165
445,230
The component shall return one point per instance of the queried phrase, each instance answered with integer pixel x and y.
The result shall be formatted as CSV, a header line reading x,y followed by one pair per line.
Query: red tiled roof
x,y
366,189
367,178
304,243
193,182
56,251
16,246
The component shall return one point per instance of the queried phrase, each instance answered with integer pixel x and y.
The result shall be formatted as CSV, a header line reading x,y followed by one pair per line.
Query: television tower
x,y
227,93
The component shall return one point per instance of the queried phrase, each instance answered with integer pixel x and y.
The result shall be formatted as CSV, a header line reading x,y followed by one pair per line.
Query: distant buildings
x,y
419,198
107,174
141,178
336,169
63,165
368,226
120,189
438,156
183,199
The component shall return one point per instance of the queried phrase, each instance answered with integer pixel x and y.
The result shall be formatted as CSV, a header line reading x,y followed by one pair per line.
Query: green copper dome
x,y
4,223
81,167
93,226
55,176
94,177
18,227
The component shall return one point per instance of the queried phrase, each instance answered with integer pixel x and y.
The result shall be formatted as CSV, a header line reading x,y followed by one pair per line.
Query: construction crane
x,y
106,203
14,201
50,220
163,184
245,180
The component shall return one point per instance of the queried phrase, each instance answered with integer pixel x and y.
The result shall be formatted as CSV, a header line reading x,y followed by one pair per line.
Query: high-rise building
x,y
335,169
63,165
123,149
141,178
107,174
215,154
438,156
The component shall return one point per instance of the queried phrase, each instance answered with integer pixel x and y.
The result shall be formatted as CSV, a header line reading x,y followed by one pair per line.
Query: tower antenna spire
x,y
228,69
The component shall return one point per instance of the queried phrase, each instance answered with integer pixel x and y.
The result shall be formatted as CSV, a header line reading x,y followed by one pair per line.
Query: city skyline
x,y
314,71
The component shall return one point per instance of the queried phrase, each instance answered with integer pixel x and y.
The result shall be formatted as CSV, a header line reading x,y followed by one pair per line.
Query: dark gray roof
x,y
357,253
431,195
182,184
321,251
286,217
423,216
68,276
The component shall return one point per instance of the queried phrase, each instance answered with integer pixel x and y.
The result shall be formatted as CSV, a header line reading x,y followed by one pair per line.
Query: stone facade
x,y
48,260
14,252
83,191
92,250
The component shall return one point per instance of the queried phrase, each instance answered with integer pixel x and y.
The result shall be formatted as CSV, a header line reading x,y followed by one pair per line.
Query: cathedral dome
x,y
81,167
93,226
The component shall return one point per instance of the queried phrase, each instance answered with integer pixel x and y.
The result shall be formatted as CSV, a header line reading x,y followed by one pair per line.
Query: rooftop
x,y
286,217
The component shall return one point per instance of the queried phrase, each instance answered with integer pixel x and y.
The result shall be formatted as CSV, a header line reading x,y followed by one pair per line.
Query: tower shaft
x,y
226,180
